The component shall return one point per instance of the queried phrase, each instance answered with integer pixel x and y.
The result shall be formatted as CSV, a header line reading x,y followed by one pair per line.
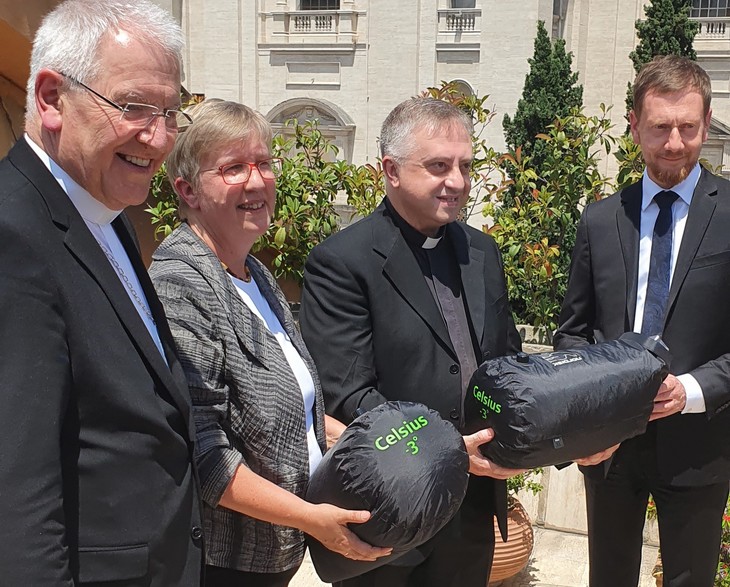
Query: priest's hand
x,y
481,465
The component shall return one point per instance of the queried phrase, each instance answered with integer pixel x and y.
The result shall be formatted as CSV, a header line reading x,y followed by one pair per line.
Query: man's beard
x,y
667,179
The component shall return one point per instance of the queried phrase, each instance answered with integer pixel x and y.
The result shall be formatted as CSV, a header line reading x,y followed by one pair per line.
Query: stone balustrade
x,y
713,29
318,23
318,27
459,20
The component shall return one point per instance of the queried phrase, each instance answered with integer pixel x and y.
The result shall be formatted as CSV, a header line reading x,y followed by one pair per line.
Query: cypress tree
x,y
550,91
666,30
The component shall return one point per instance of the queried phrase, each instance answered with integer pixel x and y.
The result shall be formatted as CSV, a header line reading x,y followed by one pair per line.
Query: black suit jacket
x,y
96,475
692,449
376,333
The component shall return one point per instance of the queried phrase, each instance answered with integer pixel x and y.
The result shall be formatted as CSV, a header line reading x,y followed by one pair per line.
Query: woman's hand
x,y
252,495
328,524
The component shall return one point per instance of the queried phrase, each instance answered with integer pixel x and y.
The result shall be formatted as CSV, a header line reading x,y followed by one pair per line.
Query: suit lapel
x,y
83,246
272,294
278,303
471,266
249,330
628,219
700,212
187,247
402,270
177,388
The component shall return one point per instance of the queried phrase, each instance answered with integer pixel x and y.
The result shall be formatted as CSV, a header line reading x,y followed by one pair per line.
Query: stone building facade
x,y
348,62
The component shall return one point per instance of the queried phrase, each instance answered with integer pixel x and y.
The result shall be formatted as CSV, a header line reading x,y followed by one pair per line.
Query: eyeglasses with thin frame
x,y
240,172
140,115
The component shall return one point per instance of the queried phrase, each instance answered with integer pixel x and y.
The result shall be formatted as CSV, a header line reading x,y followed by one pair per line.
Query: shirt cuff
x,y
695,398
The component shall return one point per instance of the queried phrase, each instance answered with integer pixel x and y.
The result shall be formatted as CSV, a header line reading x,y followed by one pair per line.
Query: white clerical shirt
x,y
99,218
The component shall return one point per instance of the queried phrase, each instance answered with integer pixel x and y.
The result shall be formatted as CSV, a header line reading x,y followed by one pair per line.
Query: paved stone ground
x,y
560,559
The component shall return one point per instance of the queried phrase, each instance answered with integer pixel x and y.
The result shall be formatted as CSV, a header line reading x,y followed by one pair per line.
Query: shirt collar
x,y
684,189
412,236
91,209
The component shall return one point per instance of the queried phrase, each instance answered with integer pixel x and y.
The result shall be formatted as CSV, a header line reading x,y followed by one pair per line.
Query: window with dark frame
x,y
710,8
560,11
463,3
319,4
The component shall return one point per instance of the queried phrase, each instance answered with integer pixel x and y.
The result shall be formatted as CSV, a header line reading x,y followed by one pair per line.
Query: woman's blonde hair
x,y
216,123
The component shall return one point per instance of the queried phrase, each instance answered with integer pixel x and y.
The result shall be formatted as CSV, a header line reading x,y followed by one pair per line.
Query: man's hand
x,y
670,399
599,457
333,429
479,464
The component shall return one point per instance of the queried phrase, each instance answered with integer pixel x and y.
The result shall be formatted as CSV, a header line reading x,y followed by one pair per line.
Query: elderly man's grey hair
x,y
69,36
415,113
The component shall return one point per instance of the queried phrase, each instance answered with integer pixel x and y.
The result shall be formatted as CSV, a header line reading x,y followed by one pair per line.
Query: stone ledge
x,y
531,335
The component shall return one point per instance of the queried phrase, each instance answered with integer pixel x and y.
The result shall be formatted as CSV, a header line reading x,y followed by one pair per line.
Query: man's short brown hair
x,y
667,74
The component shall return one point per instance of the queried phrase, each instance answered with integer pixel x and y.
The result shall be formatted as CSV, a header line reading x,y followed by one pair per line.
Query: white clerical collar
x,y
91,209
684,189
430,243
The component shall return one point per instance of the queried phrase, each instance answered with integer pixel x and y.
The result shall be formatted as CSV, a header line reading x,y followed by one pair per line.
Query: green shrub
x,y
536,230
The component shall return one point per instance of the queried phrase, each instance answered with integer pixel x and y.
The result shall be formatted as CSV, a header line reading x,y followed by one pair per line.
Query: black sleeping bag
x,y
553,408
405,465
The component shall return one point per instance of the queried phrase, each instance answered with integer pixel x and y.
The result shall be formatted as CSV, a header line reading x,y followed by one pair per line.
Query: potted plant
x,y
511,557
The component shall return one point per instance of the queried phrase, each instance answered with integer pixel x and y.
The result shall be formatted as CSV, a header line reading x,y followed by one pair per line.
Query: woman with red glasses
x,y
256,396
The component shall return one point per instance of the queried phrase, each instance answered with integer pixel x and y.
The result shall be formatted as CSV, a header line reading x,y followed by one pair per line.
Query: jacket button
x,y
454,369
454,415
196,532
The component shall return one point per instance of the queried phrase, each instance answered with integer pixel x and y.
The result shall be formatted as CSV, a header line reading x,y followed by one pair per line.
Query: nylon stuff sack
x,y
405,465
553,408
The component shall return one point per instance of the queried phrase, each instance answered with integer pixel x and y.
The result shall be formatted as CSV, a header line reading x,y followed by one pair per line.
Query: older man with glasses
x,y
96,471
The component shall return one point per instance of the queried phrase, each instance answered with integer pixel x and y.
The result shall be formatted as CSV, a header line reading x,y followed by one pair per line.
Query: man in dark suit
x,y
96,473
655,258
404,305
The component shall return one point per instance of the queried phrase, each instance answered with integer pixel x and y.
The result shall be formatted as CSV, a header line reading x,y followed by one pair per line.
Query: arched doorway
x,y
334,123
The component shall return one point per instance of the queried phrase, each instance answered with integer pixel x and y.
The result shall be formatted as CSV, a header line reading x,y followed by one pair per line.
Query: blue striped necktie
x,y
657,287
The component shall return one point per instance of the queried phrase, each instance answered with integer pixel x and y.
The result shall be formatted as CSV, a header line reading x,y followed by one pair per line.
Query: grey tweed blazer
x,y
247,404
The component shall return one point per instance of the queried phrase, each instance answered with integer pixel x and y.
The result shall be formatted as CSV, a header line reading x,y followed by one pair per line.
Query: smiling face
x,y
230,218
671,130
431,186
109,158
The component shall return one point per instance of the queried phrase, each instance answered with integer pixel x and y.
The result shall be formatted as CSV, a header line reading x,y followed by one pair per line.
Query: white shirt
x,y
649,212
252,297
99,218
